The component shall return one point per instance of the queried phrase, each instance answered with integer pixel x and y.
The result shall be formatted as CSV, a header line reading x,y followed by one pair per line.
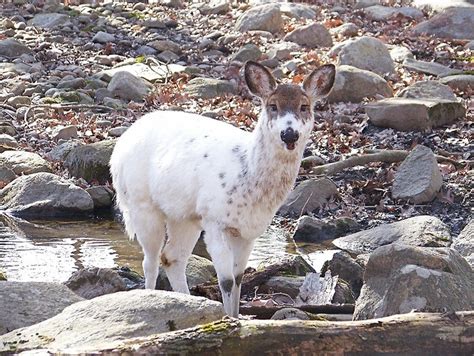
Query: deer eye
x,y
273,108
304,108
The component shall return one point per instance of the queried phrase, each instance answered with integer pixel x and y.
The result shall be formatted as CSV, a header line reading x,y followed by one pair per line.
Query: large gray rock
x,y
383,13
91,162
307,197
417,231
283,284
127,86
264,18
105,321
431,68
367,53
400,278
93,282
249,52
314,230
49,21
312,35
207,88
27,303
463,82
44,195
297,11
418,179
22,162
439,5
452,23
7,143
430,89
414,114
11,48
103,37
464,243
353,85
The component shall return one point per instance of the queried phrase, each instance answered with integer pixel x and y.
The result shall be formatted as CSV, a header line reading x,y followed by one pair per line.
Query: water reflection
x,y
53,250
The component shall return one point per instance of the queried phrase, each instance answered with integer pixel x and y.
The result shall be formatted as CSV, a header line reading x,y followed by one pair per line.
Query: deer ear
x,y
320,81
259,80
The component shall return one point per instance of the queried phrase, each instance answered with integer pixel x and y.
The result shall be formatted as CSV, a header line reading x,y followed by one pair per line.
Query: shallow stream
x,y
50,251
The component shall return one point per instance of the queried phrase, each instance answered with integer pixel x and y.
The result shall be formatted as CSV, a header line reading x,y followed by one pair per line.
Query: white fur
x,y
169,169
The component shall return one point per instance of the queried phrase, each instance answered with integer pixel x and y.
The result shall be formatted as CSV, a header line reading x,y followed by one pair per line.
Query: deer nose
x,y
289,135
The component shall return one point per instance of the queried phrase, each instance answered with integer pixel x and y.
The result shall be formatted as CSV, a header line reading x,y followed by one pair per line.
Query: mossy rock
x,y
91,162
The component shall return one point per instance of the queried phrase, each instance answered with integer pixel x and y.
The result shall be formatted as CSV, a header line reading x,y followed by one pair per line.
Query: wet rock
x,y
93,282
399,54
307,197
418,179
215,7
65,133
463,82
264,17
28,303
314,230
91,162
128,87
343,265
313,36
429,89
283,284
207,88
414,114
383,13
101,195
198,270
22,162
7,143
429,67
400,278
290,314
366,53
452,23
346,30
105,321
249,52
464,243
353,85
11,48
60,152
49,20
44,195
417,231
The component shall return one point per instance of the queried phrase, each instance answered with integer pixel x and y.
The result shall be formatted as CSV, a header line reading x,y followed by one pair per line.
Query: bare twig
x,y
386,156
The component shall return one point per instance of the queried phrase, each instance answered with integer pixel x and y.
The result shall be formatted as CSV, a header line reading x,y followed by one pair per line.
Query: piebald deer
x,y
178,174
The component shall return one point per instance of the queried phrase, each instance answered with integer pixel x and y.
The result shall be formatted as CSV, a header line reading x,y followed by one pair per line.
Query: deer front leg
x,y
219,248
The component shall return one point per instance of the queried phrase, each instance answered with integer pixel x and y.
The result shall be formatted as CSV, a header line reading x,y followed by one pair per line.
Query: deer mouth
x,y
291,145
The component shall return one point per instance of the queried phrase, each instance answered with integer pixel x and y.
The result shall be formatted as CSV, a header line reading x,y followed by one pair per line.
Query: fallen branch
x,y
266,312
407,334
386,156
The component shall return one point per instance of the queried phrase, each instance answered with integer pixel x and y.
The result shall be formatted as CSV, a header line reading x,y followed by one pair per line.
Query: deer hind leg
x,y
182,237
148,225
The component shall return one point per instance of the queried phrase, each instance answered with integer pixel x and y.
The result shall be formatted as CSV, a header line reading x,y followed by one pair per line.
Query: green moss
x,y
215,327
3,276
140,59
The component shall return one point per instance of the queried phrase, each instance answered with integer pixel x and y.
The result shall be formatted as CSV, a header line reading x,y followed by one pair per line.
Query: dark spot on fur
x,y
228,214
288,123
230,201
221,175
223,185
236,149
245,204
164,261
206,155
232,191
238,213
238,279
206,136
191,140
227,285
232,231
